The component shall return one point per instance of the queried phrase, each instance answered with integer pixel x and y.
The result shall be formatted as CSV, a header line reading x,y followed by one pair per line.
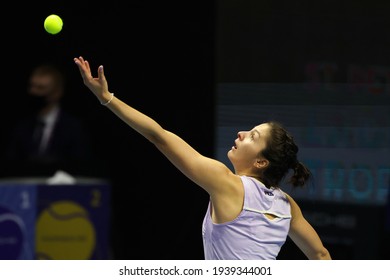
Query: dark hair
x,y
281,152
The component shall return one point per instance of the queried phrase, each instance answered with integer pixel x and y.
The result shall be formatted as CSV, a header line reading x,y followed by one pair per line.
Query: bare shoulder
x,y
234,184
290,199
295,209
227,203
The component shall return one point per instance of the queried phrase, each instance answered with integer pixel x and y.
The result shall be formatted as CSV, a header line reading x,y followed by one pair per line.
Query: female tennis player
x,y
248,217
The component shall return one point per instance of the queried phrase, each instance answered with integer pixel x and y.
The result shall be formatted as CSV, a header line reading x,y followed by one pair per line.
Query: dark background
x,y
158,57
166,59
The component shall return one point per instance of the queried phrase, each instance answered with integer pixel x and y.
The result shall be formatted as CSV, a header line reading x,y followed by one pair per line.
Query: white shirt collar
x,y
51,116
49,119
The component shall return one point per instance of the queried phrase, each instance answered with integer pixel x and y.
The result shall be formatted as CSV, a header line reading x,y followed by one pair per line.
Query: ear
x,y
261,163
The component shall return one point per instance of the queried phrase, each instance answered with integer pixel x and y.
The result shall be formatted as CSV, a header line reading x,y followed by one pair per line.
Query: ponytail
x,y
281,152
300,176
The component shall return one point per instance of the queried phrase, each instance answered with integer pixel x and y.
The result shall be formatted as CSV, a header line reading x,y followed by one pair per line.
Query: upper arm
x,y
304,235
208,173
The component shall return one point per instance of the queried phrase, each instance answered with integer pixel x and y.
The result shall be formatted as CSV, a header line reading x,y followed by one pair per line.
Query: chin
x,y
229,155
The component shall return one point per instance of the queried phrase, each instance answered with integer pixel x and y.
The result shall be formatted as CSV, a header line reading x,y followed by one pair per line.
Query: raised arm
x,y
304,235
208,173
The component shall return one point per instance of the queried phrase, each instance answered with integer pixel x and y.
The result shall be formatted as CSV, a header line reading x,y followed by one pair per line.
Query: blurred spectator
x,y
48,138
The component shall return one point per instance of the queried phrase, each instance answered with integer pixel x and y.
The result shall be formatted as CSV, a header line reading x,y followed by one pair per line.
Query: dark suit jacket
x,y
68,147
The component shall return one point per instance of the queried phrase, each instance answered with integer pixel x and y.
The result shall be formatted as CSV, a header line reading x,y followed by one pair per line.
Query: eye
x,y
252,136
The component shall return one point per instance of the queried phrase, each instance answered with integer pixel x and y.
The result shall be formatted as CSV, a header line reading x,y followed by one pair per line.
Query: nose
x,y
240,135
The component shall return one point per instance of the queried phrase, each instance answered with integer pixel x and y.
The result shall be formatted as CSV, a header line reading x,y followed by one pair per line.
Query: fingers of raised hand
x,y
84,68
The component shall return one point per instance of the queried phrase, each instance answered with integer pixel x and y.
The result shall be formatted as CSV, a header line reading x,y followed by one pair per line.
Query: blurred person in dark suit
x,y
48,138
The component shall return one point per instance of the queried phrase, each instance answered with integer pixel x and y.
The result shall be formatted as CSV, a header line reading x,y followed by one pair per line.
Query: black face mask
x,y
36,103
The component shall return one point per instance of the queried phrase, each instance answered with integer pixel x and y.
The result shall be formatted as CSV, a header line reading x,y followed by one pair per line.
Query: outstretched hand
x,y
97,85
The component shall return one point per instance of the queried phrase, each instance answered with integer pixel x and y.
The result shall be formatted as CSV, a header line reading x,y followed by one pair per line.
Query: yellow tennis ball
x,y
53,24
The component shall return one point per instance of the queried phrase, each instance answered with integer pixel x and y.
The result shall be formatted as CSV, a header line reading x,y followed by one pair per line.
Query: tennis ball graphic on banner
x,y
64,232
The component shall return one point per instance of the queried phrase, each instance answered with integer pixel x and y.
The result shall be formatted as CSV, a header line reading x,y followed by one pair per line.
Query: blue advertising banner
x,y
42,221
17,221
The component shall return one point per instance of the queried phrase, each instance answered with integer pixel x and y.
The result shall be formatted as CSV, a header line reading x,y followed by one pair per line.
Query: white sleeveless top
x,y
250,236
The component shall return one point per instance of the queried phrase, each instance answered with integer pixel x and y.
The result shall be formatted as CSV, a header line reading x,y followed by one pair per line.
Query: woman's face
x,y
247,146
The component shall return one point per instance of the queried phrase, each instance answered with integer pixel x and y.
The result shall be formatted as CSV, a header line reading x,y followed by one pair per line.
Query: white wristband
x,y
108,102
